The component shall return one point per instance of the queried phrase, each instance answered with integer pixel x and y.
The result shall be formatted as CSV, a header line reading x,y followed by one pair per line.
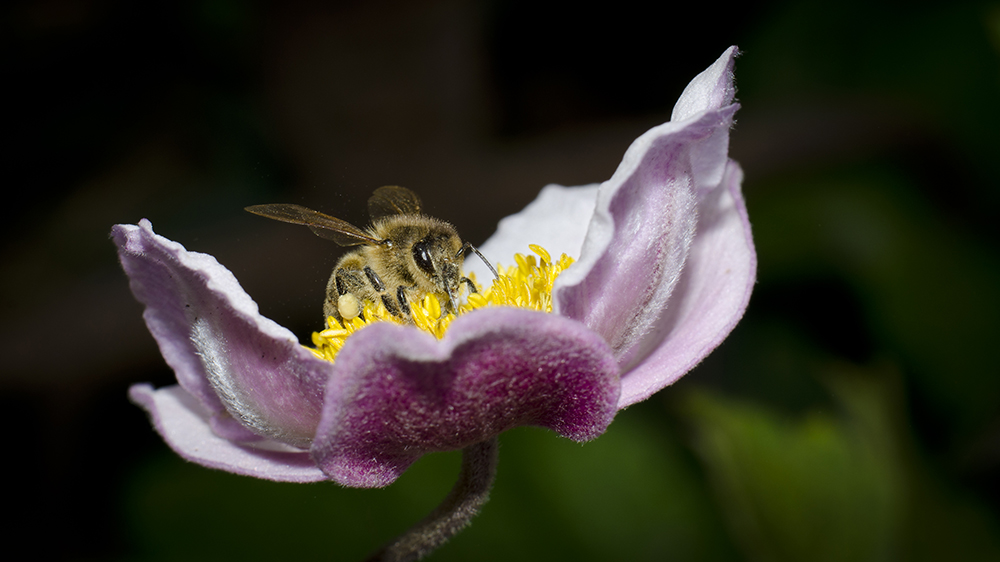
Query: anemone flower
x,y
664,270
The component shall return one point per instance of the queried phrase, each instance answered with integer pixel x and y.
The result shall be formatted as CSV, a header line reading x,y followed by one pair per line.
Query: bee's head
x,y
435,255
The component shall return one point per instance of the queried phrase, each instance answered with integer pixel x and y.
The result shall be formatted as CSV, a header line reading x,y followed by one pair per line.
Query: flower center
x,y
528,284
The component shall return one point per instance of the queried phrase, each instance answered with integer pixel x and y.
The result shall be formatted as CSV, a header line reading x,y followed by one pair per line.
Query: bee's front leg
x,y
403,302
379,286
470,284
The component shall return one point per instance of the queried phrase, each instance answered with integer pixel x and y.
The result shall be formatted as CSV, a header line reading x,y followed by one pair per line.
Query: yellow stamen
x,y
528,284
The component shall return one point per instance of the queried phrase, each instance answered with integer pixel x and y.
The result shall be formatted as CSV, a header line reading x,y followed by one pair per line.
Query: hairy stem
x,y
479,468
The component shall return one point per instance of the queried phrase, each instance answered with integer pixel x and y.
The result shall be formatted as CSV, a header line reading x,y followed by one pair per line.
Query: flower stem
x,y
479,468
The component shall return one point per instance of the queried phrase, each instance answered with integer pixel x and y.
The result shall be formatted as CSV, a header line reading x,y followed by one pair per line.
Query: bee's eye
x,y
422,255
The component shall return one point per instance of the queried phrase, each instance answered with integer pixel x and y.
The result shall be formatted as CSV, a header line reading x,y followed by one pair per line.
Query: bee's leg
x,y
468,246
403,302
347,305
376,282
391,306
470,284
374,279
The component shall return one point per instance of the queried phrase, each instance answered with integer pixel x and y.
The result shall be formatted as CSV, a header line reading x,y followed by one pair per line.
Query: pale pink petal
x,y
556,220
712,89
709,299
662,214
183,423
642,229
222,350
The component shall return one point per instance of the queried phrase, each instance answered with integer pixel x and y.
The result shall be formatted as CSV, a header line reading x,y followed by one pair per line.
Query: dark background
x,y
854,414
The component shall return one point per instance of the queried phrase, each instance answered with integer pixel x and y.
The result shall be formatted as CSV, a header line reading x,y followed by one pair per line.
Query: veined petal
x,y
666,263
398,393
223,351
183,423
642,229
709,299
645,221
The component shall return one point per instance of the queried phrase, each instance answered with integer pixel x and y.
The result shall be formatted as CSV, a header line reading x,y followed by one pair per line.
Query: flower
x,y
665,269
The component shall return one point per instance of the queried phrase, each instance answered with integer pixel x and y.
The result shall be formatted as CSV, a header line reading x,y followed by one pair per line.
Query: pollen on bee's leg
x,y
348,306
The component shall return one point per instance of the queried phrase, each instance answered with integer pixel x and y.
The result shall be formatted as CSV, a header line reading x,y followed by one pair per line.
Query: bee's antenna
x,y
469,246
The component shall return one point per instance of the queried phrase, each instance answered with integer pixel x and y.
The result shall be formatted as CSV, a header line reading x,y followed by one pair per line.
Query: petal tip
x,y
713,89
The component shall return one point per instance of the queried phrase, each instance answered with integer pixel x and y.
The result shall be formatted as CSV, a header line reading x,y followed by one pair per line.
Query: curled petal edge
x,y
684,165
710,298
645,217
222,350
184,423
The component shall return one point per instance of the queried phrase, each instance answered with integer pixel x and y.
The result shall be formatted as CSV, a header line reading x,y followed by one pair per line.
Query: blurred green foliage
x,y
837,484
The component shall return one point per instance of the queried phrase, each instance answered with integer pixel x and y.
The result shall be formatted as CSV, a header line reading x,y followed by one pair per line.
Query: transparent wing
x,y
391,200
324,226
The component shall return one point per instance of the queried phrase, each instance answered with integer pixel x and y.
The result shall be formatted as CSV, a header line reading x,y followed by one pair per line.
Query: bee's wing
x,y
324,226
393,200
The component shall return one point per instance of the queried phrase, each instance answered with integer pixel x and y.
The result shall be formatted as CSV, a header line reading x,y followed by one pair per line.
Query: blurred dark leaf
x,y
835,485
814,489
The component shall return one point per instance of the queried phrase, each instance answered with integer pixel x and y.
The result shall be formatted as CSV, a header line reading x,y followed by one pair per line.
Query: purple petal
x,y
710,298
398,393
223,351
184,424
646,218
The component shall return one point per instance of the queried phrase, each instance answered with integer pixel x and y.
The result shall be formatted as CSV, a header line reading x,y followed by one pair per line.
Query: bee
x,y
403,256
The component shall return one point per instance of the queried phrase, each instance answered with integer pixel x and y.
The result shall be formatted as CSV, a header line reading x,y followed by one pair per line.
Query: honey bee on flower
x,y
402,257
